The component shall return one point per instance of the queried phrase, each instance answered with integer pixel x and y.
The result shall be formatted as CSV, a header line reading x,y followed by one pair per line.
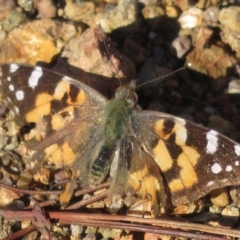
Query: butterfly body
x,y
115,124
157,155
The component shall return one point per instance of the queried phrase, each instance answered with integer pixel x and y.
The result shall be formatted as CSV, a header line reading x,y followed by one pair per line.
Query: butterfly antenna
x,y
165,76
107,50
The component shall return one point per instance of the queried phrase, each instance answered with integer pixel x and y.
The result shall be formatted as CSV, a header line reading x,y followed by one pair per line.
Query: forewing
x,y
66,112
193,159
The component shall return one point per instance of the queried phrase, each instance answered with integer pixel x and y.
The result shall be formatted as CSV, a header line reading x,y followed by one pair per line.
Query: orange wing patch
x,y
162,156
64,87
59,120
42,108
60,155
187,159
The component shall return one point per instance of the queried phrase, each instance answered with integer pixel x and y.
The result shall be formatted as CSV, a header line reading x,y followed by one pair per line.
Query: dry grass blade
x,y
157,226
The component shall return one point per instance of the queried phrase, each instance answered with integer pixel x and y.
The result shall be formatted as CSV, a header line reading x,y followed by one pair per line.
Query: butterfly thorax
x,y
118,112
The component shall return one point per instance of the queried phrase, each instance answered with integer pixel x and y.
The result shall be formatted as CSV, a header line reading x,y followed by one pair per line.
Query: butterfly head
x,y
127,92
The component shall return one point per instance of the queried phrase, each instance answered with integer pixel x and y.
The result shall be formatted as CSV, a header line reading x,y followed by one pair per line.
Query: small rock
x,y
191,18
30,44
148,2
230,216
7,196
112,1
180,46
88,60
219,197
76,230
215,209
13,20
80,11
234,86
172,11
28,6
213,61
46,8
235,195
181,4
229,18
209,110
123,17
230,25
211,15
193,207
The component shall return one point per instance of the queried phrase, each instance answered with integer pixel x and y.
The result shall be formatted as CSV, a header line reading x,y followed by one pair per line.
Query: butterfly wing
x,y
193,159
66,112
137,172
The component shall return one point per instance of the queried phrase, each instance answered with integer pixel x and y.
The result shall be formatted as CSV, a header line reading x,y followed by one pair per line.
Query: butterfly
x,y
158,156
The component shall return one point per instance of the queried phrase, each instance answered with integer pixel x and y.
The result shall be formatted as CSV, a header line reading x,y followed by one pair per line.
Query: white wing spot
x,y
236,163
229,168
13,67
216,168
210,183
20,95
34,77
212,143
9,79
11,87
237,150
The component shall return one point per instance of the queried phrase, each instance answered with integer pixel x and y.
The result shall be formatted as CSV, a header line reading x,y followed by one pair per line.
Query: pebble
x,y
219,197
172,11
180,46
45,8
191,18
230,27
7,196
123,17
80,11
230,216
19,47
229,18
234,87
211,15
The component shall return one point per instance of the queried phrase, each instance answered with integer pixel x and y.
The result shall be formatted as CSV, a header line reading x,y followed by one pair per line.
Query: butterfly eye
x,y
118,92
132,99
